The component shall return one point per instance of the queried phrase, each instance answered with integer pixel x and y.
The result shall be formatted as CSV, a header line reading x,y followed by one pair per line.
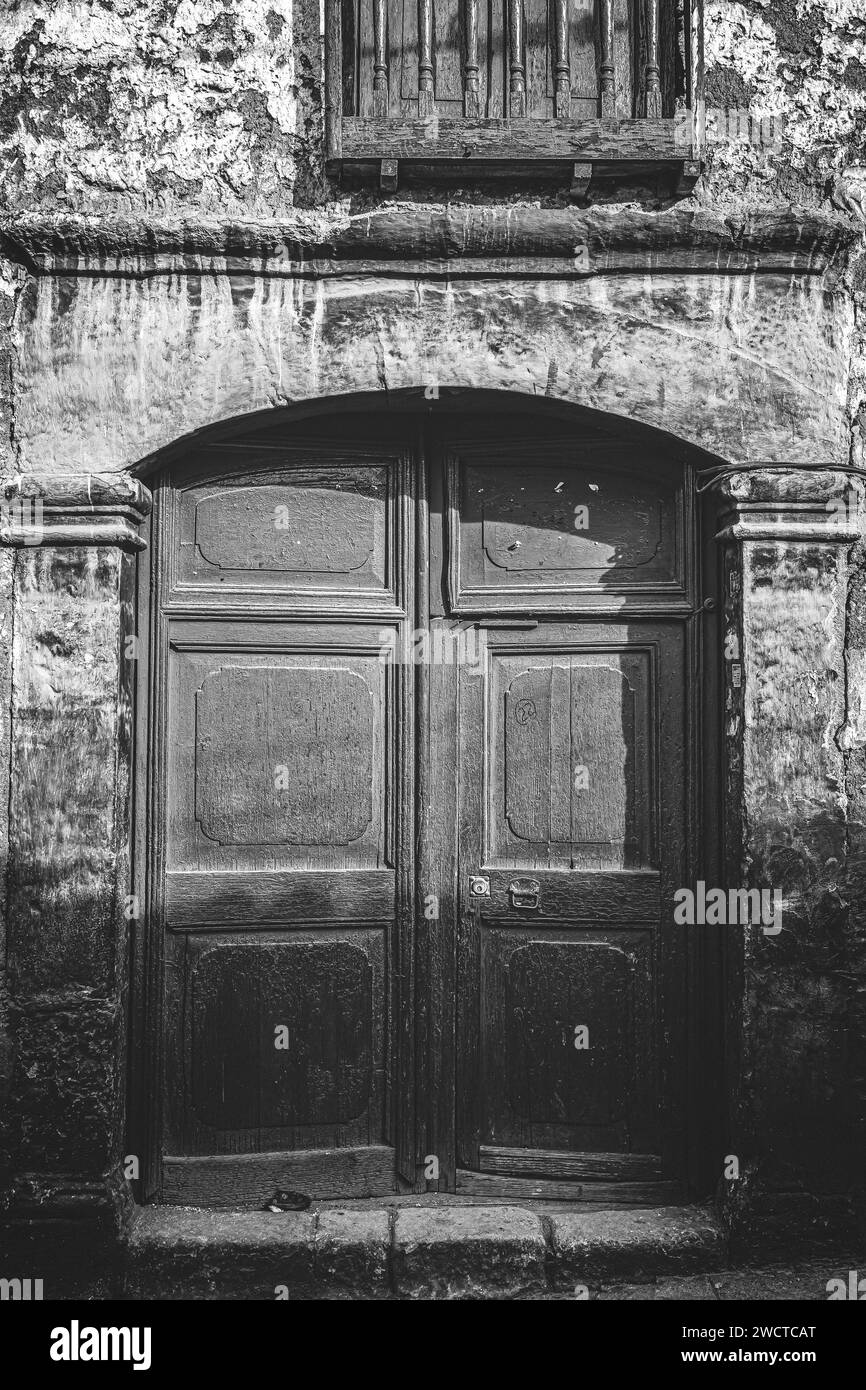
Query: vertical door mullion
x,y
438,761
403,696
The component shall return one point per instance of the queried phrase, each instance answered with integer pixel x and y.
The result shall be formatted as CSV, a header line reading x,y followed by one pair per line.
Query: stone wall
x,y
161,178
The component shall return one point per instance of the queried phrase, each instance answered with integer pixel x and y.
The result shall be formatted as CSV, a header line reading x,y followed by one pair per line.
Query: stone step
x,y
410,1252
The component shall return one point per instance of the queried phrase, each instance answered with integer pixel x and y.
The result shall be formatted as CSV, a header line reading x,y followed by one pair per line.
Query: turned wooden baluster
x,y
471,97
652,88
517,71
561,66
425,58
380,61
608,70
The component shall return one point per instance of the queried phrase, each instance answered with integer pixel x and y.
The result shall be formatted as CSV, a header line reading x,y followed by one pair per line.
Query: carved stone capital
x,y
797,504
78,509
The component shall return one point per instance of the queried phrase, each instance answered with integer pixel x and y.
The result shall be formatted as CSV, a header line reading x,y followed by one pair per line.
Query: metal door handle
x,y
524,894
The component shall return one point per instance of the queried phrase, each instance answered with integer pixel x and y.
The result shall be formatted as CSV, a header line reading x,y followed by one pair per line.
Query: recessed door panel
x,y
280,756
300,521
280,1041
531,527
284,755
570,778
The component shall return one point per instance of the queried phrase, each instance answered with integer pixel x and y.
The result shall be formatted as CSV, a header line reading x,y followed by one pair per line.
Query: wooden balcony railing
x,y
465,88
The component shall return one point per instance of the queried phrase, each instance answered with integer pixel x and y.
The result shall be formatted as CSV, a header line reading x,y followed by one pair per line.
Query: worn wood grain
x,y
591,1166
519,137
652,75
471,88
487,1186
251,1180
607,68
202,899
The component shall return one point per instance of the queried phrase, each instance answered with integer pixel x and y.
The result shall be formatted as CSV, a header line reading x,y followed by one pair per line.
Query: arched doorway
x,y
428,753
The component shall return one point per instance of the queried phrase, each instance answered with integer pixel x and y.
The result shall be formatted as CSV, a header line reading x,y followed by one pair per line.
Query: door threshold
x,y
412,1247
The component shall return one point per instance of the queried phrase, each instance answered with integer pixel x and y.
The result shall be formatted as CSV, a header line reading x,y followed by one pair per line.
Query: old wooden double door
x,y
421,792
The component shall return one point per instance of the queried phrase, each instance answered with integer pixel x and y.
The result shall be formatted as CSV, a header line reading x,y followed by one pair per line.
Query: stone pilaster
x,y
794,1002
74,541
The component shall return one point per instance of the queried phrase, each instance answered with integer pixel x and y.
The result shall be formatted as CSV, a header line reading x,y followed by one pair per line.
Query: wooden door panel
x,y
324,800
571,768
317,723
243,528
540,1090
241,994
278,1042
310,521
633,896
279,756
278,796
203,899
531,527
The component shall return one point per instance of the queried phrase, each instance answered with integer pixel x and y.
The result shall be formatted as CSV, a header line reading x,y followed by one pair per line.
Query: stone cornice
x,y
410,239
80,509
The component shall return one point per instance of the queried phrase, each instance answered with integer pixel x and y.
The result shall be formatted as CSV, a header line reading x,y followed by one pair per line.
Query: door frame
x,y
427,1117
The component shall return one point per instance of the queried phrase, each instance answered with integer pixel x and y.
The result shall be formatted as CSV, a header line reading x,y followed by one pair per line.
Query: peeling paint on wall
x,y
129,105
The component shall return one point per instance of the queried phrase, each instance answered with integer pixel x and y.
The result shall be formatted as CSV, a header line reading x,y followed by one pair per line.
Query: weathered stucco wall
x,y
108,371
803,64
208,106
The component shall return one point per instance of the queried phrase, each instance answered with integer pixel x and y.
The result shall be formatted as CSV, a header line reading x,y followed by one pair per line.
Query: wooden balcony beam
x,y
468,141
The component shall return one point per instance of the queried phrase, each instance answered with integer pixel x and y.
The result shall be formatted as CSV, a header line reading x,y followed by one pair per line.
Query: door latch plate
x,y
524,894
